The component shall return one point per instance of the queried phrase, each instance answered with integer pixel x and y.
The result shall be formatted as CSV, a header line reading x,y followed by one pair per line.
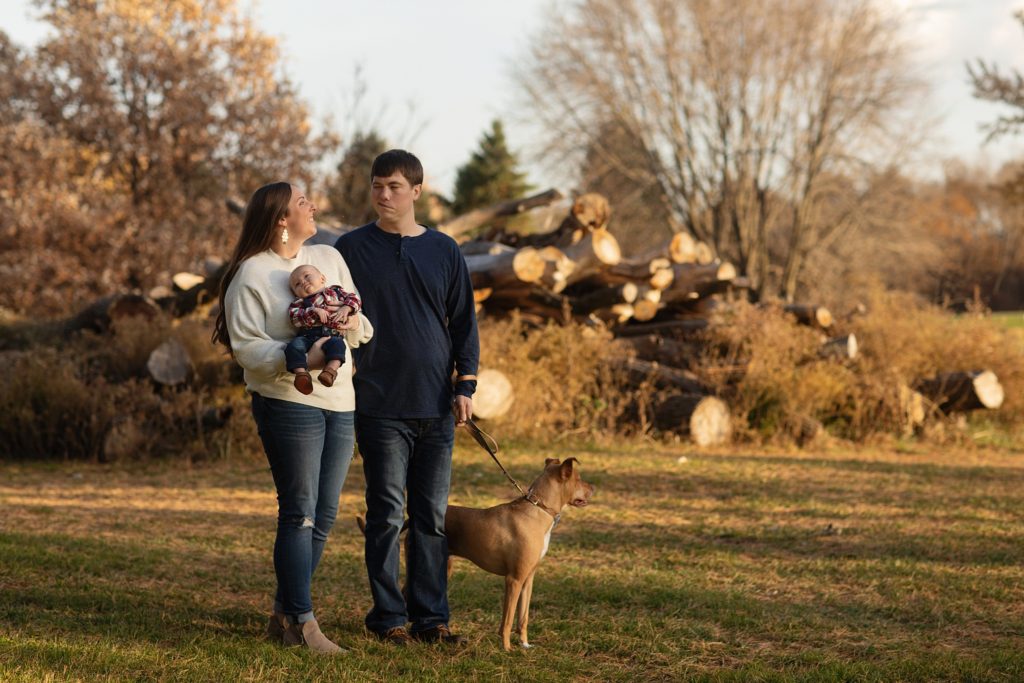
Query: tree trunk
x,y
663,350
101,314
478,247
809,314
662,376
685,326
478,217
963,391
688,278
588,213
605,297
505,268
592,254
705,419
842,348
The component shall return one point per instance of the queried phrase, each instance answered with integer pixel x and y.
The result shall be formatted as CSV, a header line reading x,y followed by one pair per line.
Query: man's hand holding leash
x,y
462,409
462,406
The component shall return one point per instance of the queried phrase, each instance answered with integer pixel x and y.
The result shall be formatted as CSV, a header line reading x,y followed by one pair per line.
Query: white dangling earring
x,y
284,236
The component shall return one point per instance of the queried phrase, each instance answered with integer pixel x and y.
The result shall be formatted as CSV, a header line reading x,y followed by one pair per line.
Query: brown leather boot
x,y
303,382
327,376
276,625
308,633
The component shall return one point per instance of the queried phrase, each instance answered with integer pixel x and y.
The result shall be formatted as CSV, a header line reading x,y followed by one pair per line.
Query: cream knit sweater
x,y
256,307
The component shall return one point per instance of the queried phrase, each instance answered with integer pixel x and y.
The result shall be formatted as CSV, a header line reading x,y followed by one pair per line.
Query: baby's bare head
x,y
306,280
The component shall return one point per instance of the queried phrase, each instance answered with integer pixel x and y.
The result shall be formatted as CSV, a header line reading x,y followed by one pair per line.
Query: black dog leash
x,y
485,440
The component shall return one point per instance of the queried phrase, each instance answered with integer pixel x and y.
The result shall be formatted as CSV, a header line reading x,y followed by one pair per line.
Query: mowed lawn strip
x,y
728,565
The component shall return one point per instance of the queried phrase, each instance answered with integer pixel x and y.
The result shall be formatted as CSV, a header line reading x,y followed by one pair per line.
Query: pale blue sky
x,y
450,60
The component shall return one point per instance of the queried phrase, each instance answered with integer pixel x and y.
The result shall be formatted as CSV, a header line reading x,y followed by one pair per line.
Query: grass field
x,y
735,566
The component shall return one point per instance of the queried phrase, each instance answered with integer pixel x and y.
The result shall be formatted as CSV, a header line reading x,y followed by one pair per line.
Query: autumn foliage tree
x,y
153,111
181,97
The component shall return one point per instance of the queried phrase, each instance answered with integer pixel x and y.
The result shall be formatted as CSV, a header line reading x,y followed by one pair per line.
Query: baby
x,y
310,313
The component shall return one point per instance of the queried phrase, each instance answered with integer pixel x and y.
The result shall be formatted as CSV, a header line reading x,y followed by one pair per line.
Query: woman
x,y
308,439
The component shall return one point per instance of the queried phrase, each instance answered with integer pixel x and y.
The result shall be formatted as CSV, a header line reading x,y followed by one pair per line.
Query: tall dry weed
x,y
89,396
903,340
565,378
781,388
768,369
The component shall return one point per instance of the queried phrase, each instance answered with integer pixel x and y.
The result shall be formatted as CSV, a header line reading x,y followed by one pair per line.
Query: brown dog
x,y
511,539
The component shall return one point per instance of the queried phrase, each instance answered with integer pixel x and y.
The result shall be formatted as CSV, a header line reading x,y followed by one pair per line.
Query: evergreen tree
x,y
349,190
490,175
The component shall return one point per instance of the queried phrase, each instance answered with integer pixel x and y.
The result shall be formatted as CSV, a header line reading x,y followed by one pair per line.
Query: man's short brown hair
x,y
398,161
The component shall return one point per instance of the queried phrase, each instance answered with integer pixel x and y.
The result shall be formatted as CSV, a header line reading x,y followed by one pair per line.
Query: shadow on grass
x,y
153,608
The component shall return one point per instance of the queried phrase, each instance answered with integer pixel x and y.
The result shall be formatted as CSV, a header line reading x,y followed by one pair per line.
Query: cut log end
x,y
726,271
682,248
807,314
645,309
169,364
843,348
494,396
606,247
703,254
186,281
662,278
988,389
528,264
591,211
710,424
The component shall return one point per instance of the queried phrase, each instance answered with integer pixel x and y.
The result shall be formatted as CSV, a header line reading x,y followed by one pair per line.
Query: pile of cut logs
x,y
576,272
654,302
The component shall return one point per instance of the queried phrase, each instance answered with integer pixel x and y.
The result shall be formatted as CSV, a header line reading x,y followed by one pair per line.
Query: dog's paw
x,y
525,645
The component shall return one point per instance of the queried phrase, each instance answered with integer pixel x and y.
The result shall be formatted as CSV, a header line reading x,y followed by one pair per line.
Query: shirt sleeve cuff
x,y
466,387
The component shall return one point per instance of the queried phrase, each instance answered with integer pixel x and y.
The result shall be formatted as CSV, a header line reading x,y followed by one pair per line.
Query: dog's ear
x,y
567,467
550,461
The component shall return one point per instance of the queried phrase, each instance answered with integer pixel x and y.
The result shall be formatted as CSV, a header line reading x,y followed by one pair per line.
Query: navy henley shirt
x,y
417,293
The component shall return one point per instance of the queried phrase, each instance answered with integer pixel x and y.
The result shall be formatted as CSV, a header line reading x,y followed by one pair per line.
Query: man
x,y
416,289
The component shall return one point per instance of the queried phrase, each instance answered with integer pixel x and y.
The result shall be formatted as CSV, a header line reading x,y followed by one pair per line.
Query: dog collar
x,y
532,498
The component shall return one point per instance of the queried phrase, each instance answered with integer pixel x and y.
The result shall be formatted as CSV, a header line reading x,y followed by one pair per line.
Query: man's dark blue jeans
x,y
413,456
295,352
309,450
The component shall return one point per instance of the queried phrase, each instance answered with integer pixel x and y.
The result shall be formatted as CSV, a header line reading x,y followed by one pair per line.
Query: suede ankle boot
x,y
308,633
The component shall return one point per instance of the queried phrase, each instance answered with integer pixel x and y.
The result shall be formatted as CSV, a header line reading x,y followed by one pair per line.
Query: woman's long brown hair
x,y
267,206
